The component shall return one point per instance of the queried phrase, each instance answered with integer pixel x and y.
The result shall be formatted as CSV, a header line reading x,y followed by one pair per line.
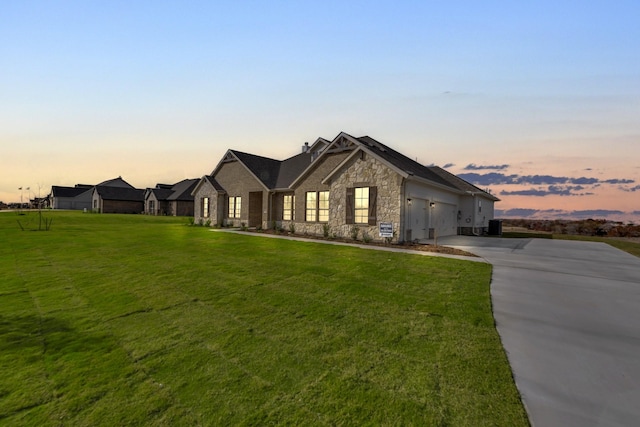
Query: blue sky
x,y
157,91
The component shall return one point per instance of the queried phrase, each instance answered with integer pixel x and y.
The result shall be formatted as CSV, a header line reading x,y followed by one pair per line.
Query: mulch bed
x,y
407,245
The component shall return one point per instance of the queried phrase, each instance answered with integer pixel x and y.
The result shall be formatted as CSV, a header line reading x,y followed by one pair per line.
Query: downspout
x,y
473,209
270,209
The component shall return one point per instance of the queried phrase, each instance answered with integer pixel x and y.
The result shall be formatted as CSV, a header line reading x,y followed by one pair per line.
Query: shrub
x,y
326,230
208,223
292,228
354,232
366,238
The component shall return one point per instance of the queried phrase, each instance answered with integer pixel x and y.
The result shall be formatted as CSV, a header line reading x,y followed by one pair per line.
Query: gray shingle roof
x,y
403,162
182,190
264,168
120,193
59,191
215,184
291,168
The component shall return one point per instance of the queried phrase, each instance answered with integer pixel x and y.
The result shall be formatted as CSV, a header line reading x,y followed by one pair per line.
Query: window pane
x,y
361,211
238,206
232,205
311,206
323,206
286,206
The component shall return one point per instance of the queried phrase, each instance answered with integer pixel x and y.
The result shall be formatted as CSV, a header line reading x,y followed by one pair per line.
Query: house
x,y
170,199
77,198
340,186
117,196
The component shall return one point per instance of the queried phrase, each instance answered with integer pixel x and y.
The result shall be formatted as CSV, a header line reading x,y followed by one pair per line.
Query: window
x,y
289,208
317,206
205,207
310,206
361,205
361,208
479,205
235,205
152,206
323,206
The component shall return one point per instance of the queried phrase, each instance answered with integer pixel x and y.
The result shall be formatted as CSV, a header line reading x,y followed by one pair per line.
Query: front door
x,y
255,209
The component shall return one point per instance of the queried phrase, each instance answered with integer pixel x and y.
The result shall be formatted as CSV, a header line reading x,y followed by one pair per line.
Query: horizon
x,y
536,103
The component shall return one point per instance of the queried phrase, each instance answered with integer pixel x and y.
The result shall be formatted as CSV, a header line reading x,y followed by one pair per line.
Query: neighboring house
x,y
170,199
76,198
334,186
117,196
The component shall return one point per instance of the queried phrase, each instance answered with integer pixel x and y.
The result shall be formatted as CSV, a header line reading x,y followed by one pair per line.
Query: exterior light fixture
x,y
409,202
432,205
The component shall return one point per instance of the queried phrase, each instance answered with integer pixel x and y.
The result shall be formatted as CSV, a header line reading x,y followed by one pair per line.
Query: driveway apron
x,y
568,313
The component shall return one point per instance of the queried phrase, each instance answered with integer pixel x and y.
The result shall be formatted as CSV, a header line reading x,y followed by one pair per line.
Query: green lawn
x,y
625,245
129,320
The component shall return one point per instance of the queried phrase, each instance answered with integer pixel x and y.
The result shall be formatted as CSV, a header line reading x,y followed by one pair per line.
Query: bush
x,y
354,232
292,228
366,238
326,230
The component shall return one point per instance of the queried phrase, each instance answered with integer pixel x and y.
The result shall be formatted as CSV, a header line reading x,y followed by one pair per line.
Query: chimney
x,y
305,147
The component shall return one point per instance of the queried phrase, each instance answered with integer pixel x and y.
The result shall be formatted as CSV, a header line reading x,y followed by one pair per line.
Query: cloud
x,y
474,167
552,190
591,213
631,189
492,178
516,212
550,214
618,181
497,178
448,165
530,192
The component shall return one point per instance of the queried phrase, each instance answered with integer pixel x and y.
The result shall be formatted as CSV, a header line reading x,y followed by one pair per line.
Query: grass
x,y
129,320
625,245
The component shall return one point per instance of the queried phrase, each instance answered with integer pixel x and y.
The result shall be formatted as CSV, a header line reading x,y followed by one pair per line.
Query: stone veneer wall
x,y
359,172
206,190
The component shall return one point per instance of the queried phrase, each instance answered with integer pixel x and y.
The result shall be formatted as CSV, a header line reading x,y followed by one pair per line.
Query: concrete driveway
x,y
568,314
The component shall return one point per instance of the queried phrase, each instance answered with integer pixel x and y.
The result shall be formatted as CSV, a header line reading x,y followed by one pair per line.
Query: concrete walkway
x,y
568,314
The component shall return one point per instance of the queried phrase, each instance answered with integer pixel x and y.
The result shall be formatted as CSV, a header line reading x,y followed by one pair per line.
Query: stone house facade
x,y
341,187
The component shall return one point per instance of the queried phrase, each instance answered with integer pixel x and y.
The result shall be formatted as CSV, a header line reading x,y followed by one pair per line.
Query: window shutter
x,y
373,193
350,206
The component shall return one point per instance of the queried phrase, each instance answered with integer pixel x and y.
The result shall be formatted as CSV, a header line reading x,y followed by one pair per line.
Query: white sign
x,y
386,229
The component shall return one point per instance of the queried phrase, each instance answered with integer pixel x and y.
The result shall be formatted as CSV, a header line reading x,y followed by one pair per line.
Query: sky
x,y
537,102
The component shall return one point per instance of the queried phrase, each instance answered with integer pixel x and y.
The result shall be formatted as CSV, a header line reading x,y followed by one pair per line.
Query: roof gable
x,y
207,180
116,182
263,168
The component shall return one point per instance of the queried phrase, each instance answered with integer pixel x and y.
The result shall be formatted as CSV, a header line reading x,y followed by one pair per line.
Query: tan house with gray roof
x,y
334,186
